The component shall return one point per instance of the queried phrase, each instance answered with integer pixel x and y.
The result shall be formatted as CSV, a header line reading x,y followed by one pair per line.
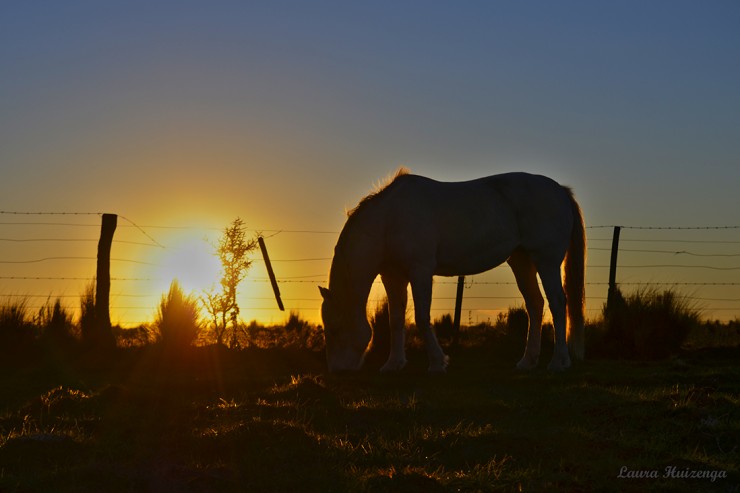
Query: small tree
x,y
232,251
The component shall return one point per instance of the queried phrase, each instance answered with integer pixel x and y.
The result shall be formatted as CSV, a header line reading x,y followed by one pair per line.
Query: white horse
x,y
415,228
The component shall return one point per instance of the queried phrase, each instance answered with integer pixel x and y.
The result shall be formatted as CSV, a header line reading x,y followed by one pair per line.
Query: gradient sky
x,y
286,113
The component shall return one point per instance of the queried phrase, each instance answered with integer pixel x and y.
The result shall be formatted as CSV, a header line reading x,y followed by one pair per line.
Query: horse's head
x,y
346,333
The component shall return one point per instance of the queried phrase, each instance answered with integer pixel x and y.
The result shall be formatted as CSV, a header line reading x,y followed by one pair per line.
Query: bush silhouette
x,y
178,318
56,325
16,328
88,325
444,327
647,324
380,345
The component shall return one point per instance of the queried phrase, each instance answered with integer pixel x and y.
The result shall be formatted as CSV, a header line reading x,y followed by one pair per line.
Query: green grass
x,y
272,420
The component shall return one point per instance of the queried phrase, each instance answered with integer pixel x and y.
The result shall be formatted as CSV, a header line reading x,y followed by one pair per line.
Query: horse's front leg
x,y
421,289
395,289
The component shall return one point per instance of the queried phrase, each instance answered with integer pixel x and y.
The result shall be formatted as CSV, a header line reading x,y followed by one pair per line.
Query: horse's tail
x,y
575,272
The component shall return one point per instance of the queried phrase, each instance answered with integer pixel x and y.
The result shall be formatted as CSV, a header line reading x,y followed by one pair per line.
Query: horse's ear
x,y
324,292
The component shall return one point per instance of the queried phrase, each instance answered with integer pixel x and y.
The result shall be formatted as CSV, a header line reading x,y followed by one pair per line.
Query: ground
x,y
273,420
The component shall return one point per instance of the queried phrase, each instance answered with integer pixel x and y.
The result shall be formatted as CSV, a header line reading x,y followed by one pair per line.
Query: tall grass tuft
x,y
444,327
294,333
648,324
512,331
178,318
56,324
301,334
380,345
16,326
87,323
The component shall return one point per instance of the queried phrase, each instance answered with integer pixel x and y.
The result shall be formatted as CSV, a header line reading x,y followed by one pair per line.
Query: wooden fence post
x,y
613,267
102,282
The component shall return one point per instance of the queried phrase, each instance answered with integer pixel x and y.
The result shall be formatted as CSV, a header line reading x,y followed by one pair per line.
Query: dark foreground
x,y
271,420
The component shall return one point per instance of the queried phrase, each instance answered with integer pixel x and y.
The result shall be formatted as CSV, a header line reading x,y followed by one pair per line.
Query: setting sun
x,y
191,260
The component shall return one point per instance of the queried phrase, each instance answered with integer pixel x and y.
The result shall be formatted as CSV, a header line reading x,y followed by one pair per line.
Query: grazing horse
x,y
415,228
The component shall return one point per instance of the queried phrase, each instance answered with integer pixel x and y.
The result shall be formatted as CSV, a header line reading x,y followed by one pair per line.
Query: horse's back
x,y
543,208
532,198
474,225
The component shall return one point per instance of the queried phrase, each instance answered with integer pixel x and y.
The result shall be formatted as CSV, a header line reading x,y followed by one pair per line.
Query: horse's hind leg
x,y
395,288
421,289
552,282
526,279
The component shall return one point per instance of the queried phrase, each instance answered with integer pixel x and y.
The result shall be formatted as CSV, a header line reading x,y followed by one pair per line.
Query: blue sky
x,y
286,113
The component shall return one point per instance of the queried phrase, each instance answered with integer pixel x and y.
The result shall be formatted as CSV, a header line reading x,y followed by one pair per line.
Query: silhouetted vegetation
x,y
295,333
380,345
88,324
56,325
444,327
648,324
645,325
266,418
272,420
178,319
221,305
16,328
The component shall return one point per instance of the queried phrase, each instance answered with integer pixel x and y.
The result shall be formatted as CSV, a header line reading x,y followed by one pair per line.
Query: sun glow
x,y
192,261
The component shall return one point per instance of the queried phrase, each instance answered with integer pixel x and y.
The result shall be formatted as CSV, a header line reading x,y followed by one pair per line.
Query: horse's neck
x,y
350,281
356,263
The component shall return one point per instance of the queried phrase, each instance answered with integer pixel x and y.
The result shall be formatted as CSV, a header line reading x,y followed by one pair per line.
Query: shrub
x,y
380,345
444,327
647,324
178,318
88,326
301,334
516,324
295,333
133,337
16,328
55,324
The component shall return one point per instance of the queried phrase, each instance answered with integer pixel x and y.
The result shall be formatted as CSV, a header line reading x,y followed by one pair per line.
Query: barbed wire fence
x,y
50,255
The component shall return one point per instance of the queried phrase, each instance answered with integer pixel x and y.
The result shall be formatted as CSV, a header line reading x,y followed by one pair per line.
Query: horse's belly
x,y
469,263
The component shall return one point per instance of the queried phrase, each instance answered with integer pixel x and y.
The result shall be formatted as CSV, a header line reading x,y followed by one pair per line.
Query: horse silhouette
x,y
415,228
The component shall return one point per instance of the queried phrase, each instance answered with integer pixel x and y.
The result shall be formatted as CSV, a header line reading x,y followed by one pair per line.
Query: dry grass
x,y
272,420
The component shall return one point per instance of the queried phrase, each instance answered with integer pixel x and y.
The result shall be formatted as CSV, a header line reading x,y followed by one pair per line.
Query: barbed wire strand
x,y
305,279
142,231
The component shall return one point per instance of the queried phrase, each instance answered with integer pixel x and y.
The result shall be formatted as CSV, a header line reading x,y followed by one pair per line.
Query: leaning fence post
x,y
271,273
102,283
613,267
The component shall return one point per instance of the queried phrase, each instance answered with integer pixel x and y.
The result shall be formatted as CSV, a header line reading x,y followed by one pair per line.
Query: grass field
x,y
272,420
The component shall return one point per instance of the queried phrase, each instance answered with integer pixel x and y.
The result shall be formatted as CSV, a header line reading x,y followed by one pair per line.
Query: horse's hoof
x,y
525,364
393,366
558,366
440,368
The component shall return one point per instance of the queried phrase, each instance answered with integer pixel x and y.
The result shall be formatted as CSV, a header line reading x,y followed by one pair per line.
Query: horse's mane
x,y
379,189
